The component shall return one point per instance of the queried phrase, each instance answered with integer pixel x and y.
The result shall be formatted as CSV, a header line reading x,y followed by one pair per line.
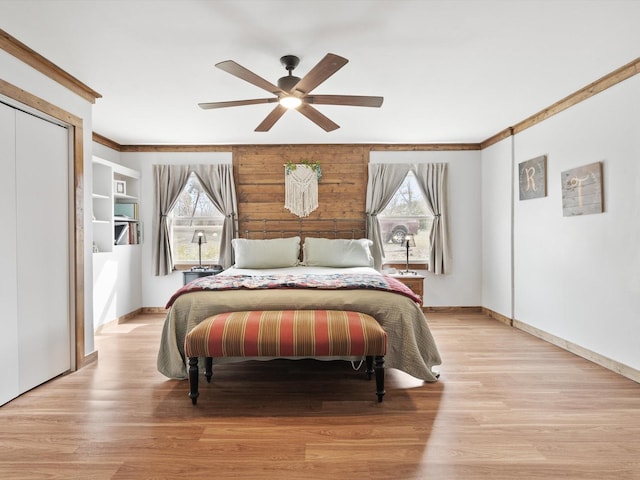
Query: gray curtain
x,y
217,182
169,180
432,178
384,180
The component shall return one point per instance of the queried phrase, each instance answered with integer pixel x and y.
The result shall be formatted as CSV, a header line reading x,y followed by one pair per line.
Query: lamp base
x,y
407,272
200,268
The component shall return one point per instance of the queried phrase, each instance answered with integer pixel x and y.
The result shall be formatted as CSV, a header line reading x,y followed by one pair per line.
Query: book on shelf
x,y
126,233
121,233
134,233
126,211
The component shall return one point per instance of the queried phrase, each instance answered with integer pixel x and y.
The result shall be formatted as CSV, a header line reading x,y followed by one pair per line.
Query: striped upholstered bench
x,y
286,333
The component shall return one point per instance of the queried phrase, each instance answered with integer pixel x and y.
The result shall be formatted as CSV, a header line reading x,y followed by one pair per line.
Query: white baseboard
x,y
117,321
596,358
609,364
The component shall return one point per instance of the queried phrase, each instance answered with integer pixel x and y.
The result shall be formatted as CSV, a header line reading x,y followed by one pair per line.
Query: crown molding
x,y
106,142
619,75
19,50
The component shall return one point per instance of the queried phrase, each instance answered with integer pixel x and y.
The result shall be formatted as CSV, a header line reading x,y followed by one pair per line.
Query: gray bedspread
x,y
411,346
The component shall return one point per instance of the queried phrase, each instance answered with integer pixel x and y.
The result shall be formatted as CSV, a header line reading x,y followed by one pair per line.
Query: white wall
x,y
496,227
575,278
156,291
578,278
117,283
35,83
462,286
106,153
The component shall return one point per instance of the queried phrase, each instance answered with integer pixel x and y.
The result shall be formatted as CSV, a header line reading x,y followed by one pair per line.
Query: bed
x,y
334,274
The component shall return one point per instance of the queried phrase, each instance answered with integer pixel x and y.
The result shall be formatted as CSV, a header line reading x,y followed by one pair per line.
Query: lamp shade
x,y
410,241
199,237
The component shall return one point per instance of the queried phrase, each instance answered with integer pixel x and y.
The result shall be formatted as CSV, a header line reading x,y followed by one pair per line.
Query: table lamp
x,y
410,242
199,237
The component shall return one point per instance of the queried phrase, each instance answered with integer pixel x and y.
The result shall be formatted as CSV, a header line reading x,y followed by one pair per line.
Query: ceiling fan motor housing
x,y
287,83
289,62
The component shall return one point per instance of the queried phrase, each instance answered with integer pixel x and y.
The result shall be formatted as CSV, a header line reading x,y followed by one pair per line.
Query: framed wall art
x,y
582,190
120,187
532,176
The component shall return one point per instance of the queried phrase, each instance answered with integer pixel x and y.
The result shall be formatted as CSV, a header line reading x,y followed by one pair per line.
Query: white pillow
x,y
324,252
272,253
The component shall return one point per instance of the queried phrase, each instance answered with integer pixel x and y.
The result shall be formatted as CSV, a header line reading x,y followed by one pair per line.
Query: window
x,y
194,210
406,213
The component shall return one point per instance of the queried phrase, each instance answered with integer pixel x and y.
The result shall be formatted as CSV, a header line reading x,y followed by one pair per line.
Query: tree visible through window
x,y
406,213
194,210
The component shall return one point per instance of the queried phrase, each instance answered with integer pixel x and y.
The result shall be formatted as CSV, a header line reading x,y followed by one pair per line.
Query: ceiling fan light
x,y
290,101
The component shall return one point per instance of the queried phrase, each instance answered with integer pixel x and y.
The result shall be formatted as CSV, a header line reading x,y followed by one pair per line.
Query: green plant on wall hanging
x,y
312,164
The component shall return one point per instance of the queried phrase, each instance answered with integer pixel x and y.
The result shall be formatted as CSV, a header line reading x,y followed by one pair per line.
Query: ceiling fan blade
x,y
236,103
326,67
239,71
271,119
350,100
318,118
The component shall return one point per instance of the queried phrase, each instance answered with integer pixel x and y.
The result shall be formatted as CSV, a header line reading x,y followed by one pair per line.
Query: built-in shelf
x,y
115,206
118,197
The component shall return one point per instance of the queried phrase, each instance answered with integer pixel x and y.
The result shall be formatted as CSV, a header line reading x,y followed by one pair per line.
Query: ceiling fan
x,y
295,93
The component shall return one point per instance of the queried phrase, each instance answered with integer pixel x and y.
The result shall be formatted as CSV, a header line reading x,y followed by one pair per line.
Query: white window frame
x,y
212,225
395,253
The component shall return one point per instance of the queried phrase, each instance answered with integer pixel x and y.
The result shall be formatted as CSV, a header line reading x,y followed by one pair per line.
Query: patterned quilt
x,y
321,282
410,347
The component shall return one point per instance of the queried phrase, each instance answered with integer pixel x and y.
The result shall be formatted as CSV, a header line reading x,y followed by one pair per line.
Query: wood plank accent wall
x,y
260,178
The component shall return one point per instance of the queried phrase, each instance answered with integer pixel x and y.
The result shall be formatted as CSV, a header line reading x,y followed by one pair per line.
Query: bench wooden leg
x,y
193,379
369,363
379,369
208,368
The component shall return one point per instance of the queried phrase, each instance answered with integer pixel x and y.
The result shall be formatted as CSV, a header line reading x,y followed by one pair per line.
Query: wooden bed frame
x,y
347,228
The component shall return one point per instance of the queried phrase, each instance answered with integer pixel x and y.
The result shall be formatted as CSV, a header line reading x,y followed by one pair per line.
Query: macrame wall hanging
x,y
301,187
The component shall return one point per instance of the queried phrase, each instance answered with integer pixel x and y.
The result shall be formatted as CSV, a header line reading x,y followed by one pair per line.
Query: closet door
x,y
42,253
9,385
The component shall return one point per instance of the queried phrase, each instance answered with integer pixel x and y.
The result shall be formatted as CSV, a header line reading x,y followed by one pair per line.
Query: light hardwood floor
x,y
508,406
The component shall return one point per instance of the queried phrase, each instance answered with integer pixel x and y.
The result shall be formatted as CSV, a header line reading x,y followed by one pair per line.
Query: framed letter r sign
x,y
532,176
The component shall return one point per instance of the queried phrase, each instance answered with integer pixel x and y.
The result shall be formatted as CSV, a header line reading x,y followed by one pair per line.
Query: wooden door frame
x,y
76,286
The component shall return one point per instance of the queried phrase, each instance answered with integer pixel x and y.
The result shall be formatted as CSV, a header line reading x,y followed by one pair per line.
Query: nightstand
x,y
190,275
414,281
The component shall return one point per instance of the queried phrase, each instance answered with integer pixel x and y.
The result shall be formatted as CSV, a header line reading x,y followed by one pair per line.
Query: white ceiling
x,y
449,71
